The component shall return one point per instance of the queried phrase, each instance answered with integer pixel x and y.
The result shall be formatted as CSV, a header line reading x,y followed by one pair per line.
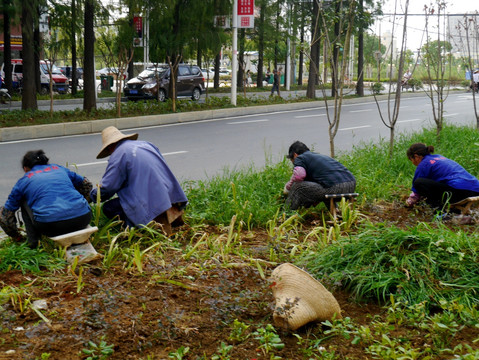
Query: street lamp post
x,y
234,62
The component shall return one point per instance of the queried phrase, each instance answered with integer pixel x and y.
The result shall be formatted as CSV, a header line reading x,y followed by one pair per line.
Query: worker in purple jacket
x,y
438,179
137,172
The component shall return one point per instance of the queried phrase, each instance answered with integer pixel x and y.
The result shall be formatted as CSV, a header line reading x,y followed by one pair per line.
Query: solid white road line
x,y
356,127
364,110
106,161
446,115
307,116
411,120
247,122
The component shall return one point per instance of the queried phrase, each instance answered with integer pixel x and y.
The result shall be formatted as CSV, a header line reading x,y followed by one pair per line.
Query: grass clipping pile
x,y
202,294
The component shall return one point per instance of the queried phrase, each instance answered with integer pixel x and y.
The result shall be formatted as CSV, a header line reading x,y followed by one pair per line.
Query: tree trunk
x,y
216,82
360,83
37,47
241,59
29,95
74,50
259,76
334,65
7,50
314,60
89,79
301,53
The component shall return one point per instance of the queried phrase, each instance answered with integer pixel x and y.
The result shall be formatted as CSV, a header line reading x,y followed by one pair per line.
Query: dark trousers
x,y
438,194
36,229
275,88
112,208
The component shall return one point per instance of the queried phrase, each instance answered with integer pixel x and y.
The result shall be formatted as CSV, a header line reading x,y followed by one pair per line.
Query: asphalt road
x,y
199,150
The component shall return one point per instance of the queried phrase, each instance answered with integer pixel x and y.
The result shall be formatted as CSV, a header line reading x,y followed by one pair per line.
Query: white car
x,y
112,71
208,74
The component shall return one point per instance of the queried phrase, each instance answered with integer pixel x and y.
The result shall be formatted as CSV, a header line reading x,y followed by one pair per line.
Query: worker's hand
x,y
412,199
285,190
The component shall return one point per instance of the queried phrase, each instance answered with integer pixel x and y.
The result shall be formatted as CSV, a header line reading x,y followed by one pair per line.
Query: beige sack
x,y
300,298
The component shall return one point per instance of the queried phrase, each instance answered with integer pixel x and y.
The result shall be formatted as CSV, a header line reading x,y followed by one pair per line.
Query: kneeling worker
x,y
314,176
137,172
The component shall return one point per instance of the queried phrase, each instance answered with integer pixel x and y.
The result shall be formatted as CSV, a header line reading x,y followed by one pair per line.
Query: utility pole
x,y
234,63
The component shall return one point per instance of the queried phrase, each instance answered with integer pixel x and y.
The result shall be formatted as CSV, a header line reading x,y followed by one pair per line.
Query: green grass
x,y
253,196
20,257
414,265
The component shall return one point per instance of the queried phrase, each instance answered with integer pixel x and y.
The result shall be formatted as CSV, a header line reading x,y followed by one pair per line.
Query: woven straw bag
x,y
300,299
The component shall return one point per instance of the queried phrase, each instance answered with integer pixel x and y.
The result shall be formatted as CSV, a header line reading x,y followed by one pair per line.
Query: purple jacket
x,y
145,185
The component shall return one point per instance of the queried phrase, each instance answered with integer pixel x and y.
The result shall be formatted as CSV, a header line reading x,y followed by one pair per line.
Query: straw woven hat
x,y
300,298
112,135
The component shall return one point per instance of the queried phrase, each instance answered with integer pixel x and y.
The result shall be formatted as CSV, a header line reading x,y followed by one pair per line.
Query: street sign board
x,y
245,13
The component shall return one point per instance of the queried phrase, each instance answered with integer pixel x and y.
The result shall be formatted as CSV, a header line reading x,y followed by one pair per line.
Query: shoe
x,y
463,220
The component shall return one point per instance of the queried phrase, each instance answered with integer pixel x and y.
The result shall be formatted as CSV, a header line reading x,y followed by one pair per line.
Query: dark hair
x,y
34,157
297,148
419,149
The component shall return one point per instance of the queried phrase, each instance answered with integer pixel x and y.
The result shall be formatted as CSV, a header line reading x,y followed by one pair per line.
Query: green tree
x,y
437,57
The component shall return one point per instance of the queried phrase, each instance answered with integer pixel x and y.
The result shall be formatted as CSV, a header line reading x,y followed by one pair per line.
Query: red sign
x,y
245,13
245,7
138,26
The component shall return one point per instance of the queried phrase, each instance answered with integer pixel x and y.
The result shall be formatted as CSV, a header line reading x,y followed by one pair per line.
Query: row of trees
x,y
183,30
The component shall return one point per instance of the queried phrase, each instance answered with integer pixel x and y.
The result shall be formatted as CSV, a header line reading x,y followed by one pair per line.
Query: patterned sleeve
x,y
299,173
8,223
85,188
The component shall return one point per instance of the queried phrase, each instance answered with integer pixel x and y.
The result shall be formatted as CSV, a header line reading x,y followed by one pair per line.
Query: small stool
x,y
332,197
75,237
465,205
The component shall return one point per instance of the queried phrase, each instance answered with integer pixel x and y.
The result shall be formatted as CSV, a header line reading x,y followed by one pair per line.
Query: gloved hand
x,y
412,199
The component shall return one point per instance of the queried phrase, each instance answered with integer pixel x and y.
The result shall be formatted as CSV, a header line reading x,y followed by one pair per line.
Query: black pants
x,y
112,208
438,194
36,229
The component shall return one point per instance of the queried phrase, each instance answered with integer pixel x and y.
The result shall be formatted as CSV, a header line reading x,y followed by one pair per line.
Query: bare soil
x,y
174,303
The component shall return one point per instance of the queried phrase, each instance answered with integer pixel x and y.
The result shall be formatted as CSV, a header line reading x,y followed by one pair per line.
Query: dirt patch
x,y
173,303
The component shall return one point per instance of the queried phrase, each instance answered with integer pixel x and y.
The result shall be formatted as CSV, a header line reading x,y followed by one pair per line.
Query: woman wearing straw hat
x,y
314,176
137,172
52,198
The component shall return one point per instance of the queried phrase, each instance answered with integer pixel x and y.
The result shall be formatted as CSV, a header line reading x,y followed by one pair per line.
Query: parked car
x,y
208,74
67,71
153,83
111,71
60,84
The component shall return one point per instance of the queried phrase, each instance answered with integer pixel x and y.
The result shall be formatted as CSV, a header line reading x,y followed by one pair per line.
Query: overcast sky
x,y
416,24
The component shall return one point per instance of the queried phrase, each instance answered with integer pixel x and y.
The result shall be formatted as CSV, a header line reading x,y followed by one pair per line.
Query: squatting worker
x,y
314,176
52,198
437,179
137,172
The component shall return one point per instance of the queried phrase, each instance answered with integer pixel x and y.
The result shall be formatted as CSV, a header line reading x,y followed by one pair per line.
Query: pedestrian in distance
x,y
267,76
314,176
437,179
137,172
276,78
53,200
475,81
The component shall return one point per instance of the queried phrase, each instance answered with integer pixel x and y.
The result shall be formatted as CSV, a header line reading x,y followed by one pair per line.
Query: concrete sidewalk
x,y
96,126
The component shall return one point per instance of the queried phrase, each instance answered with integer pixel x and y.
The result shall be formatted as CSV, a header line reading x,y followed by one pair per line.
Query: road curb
x,y
17,133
